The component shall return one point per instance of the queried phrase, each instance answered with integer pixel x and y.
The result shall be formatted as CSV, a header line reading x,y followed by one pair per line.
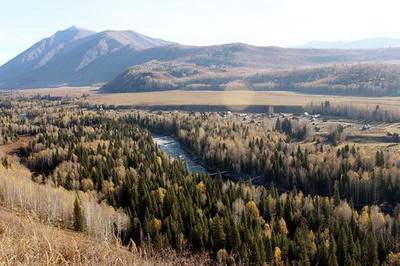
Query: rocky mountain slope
x,y
74,56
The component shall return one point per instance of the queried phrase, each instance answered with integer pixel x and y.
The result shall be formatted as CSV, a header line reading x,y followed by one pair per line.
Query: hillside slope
x,y
358,79
26,241
34,226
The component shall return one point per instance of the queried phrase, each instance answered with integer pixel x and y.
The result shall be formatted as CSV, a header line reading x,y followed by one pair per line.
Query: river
x,y
174,149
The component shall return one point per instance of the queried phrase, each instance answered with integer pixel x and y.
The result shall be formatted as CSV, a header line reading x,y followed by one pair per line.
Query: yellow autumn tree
x,y
252,210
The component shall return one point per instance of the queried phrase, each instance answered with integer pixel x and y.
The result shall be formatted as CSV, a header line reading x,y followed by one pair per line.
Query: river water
x,y
174,149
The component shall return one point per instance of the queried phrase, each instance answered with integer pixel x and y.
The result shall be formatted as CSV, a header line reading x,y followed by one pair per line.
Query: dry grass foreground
x,y
23,240
26,241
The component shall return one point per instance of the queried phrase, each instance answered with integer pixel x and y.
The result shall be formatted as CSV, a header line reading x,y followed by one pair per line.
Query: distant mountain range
x,y
372,43
80,57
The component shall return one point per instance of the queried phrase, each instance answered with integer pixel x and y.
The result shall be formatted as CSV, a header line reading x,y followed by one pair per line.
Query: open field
x,y
243,98
60,91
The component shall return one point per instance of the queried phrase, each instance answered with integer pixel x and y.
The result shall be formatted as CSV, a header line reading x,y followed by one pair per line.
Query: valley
x,y
120,148
137,170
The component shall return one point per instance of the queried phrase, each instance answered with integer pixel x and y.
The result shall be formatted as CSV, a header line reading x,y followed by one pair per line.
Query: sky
x,y
201,22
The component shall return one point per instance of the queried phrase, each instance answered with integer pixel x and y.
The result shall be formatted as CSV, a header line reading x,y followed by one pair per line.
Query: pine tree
x,y
218,234
336,194
373,258
332,253
79,217
278,125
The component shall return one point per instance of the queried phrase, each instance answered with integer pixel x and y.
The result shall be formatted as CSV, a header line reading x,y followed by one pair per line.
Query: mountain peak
x,y
134,39
76,28
73,27
67,53
73,32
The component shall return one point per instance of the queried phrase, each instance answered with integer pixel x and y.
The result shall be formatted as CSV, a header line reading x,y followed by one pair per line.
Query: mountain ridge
x,y
59,58
80,57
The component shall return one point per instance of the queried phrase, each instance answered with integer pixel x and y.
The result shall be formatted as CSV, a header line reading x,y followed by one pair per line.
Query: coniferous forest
x,y
314,202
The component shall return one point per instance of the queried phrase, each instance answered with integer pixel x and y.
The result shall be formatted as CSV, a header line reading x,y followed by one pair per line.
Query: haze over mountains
x,y
80,57
371,43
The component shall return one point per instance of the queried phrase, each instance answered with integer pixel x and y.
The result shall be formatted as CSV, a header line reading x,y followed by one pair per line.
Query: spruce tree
x,y
79,217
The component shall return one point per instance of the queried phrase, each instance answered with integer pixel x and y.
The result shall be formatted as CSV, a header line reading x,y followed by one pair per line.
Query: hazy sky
x,y
201,22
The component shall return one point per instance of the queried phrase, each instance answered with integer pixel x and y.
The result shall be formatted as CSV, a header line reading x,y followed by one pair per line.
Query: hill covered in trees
x,y
356,80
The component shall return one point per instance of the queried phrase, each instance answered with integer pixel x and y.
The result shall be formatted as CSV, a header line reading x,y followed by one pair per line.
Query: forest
x,y
356,112
316,167
320,204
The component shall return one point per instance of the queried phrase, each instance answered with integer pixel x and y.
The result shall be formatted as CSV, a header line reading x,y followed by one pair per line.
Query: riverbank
x,y
174,149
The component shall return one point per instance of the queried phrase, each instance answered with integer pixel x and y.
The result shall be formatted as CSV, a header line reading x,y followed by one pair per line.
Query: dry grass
x,y
232,98
26,241
60,91
178,97
28,214
23,240
54,205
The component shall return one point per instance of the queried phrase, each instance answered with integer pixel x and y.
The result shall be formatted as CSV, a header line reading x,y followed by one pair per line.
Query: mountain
x,y
79,57
356,79
372,43
69,56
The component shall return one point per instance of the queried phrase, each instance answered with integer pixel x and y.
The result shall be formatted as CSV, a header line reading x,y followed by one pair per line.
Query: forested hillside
x,y
356,80
360,80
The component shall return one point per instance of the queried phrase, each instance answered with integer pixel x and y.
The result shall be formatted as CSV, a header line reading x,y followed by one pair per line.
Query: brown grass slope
x,y
26,241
